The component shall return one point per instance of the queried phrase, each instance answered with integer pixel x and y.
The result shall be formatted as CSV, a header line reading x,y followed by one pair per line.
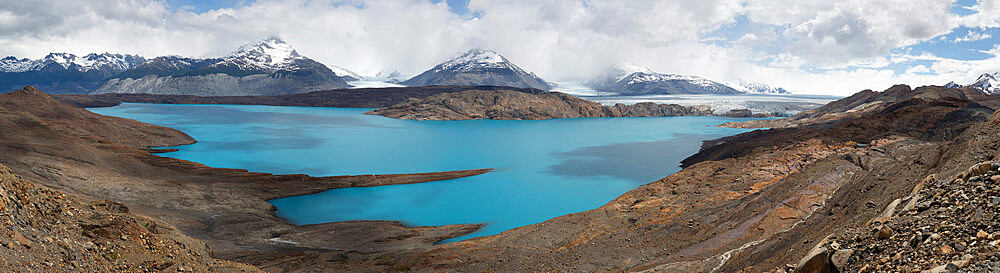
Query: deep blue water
x,y
544,168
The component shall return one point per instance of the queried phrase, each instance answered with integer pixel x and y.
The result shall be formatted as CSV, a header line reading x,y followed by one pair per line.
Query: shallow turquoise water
x,y
544,168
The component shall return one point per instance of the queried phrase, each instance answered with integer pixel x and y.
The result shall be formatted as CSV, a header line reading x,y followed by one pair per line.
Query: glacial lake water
x,y
544,168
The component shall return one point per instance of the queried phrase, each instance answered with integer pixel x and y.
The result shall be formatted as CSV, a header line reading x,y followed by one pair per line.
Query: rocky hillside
x,y
508,104
64,72
42,230
478,67
265,67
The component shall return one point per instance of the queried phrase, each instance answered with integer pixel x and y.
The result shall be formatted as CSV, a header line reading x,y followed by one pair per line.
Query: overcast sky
x,y
821,47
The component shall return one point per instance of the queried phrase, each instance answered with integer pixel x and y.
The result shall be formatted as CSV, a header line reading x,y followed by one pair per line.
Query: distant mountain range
x,y
478,67
986,83
64,72
630,79
264,67
271,66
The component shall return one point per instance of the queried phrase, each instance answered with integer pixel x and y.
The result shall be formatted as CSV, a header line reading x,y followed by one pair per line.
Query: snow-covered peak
x,y
388,73
756,88
269,54
987,83
478,59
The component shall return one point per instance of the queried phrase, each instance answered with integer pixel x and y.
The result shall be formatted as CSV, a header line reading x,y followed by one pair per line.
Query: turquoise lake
x,y
544,168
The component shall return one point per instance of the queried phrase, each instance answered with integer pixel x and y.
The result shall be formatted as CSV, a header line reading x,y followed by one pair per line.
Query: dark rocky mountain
x,y
266,67
520,105
630,79
64,72
478,67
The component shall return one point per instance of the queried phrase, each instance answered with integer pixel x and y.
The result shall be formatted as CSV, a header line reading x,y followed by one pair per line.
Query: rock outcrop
x,y
508,104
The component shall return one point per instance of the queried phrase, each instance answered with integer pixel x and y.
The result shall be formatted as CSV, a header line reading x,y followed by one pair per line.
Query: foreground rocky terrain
x,y
904,171
67,149
508,104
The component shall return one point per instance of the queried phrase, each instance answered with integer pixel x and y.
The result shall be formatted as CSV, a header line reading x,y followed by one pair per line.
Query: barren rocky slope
x,y
508,104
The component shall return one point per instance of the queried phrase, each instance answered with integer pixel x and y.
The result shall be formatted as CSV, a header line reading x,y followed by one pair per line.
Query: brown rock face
x,y
507,104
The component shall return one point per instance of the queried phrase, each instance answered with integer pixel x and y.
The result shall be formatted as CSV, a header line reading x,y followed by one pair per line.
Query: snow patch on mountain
x,y
343,72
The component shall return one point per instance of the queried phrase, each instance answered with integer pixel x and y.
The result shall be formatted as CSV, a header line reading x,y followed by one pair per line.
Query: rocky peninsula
x,y
509,104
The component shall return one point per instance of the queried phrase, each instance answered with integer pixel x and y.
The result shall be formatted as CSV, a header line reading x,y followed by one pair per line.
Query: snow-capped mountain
x,y
986,83
388,73
478,67
265,67
756,88
64,72
631,79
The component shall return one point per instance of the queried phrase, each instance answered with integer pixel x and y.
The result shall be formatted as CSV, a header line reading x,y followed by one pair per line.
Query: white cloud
x,y
973,36
557,39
